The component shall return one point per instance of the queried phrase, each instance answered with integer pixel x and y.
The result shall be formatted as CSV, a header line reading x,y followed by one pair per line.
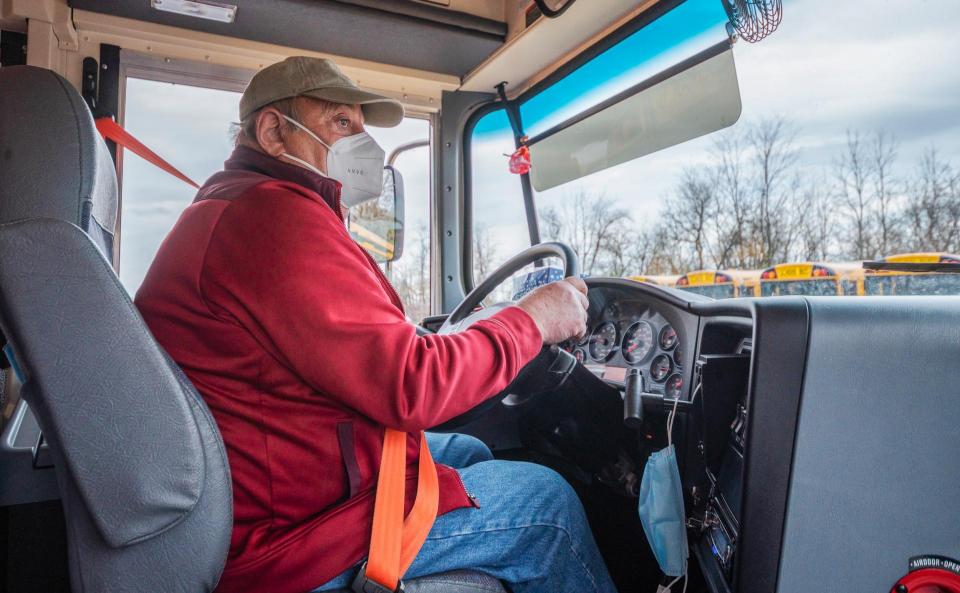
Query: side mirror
x,y
377,225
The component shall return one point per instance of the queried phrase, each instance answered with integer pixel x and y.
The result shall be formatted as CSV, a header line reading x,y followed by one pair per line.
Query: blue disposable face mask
x,y
661,508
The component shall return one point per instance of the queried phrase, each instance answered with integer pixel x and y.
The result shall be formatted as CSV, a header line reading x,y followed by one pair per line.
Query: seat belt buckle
x,y
362,584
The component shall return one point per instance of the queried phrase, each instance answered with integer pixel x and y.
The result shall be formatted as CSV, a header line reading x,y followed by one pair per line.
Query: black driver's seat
x,y
140,464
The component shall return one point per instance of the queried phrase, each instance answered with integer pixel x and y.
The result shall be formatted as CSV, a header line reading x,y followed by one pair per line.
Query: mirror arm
x,y
552,13
396,152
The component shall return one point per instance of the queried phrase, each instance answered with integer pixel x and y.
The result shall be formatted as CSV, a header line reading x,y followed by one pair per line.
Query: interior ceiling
x,y
396,32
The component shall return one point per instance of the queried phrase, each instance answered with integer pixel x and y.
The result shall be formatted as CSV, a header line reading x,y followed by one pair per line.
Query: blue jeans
x,y
530,530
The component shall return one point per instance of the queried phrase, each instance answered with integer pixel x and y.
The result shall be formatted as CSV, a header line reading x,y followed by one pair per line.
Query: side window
x,y
189,126
410,273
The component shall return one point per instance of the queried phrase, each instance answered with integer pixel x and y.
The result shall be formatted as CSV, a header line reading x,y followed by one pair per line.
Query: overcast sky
x,y
832,66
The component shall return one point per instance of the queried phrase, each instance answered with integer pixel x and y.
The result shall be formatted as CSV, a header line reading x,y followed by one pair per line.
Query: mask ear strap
x,y
307,130
670,418
307,165
676,580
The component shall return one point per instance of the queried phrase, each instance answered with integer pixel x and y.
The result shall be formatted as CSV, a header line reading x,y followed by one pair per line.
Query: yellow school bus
x,y
720,284
803,278
658,279
893,282
852,281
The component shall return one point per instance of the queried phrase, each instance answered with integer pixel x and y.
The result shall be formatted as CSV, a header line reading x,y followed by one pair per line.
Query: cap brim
x,y
378,111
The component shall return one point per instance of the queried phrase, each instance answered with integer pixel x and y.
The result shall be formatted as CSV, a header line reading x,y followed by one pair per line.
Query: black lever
x,y
633,400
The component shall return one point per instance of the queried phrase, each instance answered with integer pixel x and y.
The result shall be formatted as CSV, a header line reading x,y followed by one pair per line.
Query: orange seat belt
x,y
395,541
111,130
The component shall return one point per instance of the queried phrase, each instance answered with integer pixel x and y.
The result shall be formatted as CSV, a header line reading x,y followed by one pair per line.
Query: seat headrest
x,y
53,163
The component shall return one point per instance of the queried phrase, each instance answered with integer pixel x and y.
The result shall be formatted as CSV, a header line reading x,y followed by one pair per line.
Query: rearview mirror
x,y
696,97
377,225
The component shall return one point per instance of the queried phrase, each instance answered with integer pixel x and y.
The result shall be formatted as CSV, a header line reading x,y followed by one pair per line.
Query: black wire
x,y
550,12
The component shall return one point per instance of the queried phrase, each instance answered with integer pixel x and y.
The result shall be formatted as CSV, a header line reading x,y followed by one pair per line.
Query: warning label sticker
x,y
941,562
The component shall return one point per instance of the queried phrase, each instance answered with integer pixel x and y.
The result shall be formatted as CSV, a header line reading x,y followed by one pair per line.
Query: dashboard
x,y
626,331
769,499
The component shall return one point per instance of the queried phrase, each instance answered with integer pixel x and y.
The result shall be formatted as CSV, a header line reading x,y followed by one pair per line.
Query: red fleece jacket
x,y
299,346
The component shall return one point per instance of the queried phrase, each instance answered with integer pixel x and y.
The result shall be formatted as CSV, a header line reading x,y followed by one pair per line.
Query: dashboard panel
x,y
770,500
627,331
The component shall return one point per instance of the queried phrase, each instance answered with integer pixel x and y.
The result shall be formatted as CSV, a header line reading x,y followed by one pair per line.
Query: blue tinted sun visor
x,y
681,32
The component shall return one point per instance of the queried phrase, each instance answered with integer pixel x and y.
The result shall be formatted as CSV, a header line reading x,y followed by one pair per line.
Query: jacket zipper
x,y
385,281
473,499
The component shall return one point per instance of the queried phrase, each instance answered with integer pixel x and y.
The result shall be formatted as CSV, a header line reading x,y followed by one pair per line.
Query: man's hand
x,y
559,309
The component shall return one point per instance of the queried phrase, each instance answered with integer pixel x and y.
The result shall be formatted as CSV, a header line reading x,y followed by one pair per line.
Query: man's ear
x,y
270,131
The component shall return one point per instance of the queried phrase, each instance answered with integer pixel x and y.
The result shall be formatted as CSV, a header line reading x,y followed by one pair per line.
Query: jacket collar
x,y
245,158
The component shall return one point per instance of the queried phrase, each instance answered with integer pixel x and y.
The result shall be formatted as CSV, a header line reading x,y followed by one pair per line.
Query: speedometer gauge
x,y
660,368
602,341
668,337
637,342
674,386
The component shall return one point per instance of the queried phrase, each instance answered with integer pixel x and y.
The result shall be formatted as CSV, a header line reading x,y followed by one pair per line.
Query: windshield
x,y
833,160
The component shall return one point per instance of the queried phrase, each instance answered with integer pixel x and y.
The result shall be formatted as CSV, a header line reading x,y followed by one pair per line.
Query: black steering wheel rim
x,y
553,363
571,267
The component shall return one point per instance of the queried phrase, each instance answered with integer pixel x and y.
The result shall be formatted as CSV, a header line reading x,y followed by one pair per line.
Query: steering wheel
x,y
550,369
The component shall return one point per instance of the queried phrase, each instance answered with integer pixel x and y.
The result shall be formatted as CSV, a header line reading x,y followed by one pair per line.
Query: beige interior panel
x,y
488,9
420,90
533,53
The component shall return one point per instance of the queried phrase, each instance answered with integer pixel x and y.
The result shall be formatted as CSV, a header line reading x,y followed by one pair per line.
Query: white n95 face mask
x,y
355,161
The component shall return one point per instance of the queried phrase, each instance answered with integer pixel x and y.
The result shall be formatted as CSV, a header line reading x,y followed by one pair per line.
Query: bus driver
x,y
299,346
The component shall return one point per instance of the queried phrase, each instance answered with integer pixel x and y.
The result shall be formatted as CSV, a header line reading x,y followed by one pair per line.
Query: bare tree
x,y
731,222
410,275
690,214
773,156
588,223
750,207
883,155
853,176
933,209
630,253
484,253
817,227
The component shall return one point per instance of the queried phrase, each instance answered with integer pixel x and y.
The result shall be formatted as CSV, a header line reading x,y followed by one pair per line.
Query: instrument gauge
x,y
580,355
637,342
678,355
660,368
603,340
674,386
668,337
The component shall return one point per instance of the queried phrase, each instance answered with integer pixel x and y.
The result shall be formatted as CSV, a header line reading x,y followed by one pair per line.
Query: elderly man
x,y
300,347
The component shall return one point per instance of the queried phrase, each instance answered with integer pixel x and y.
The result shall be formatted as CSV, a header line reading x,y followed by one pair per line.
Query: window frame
x,y
134,64
639,22
156,68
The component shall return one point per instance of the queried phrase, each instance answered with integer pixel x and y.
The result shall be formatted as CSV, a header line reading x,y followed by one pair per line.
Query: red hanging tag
x,y
520,161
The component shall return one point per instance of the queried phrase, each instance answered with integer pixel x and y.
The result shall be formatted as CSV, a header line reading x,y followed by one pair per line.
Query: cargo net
x,y
754,19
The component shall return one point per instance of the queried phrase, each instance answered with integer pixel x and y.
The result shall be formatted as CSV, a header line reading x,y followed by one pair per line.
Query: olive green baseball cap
x,y
321,79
